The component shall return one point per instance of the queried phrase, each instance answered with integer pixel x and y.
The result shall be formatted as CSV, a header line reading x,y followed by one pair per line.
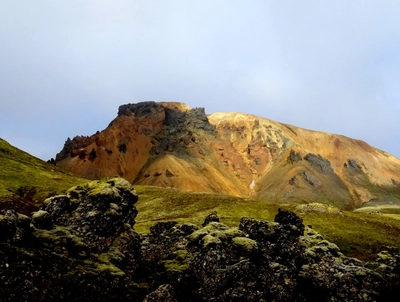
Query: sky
x,y
66,66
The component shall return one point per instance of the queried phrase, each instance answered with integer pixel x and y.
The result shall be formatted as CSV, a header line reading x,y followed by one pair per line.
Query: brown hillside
x,y
171,145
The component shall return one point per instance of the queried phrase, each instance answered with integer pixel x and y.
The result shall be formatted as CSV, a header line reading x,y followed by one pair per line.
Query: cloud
x,y
65,67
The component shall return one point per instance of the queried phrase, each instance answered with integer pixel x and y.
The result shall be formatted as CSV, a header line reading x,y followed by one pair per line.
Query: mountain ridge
x,y
171,145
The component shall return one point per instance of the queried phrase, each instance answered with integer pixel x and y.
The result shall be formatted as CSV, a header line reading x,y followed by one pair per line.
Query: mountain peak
x,y
173,145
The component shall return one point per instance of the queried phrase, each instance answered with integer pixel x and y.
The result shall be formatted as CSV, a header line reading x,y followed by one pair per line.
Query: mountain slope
x,y
26,179
171,145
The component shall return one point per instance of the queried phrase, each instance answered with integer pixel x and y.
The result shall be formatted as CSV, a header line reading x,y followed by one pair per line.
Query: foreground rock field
x,y
82,246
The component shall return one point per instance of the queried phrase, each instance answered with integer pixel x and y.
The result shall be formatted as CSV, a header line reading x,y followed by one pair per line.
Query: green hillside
x,y
25,180
359,235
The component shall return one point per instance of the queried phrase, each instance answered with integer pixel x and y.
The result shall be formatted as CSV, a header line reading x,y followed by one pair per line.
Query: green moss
x,y
40,214
211,240
244,243
180,262
214,228
102,266
325,246
106,186
310,238
234,232
384,256
198,235
109,268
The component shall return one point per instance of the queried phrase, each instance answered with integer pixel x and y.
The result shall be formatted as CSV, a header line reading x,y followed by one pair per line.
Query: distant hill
x,y
172,145
26,180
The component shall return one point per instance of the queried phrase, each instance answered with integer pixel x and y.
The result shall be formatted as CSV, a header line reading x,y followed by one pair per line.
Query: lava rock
x,y
163,293
82,246
210,218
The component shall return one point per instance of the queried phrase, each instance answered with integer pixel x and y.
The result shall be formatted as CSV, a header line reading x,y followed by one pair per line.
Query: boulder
x,y
213,217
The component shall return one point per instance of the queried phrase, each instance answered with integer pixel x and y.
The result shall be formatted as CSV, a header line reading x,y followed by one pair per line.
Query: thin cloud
x,y
65,67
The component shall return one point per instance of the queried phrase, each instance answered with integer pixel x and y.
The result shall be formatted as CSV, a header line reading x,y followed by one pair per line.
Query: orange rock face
x,y
171,145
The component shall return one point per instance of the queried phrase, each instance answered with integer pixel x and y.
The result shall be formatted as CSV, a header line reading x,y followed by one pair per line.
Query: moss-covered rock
x,y
78,246
245,244
82,246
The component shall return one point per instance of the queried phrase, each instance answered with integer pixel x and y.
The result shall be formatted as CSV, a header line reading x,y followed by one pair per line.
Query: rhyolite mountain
x,y
171,145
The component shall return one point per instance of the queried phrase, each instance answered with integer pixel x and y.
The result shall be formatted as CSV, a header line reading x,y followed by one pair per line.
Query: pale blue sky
x,y
66,66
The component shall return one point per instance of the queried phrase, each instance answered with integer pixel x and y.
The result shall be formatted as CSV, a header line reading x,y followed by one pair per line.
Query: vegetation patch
x,y
27,181
359,235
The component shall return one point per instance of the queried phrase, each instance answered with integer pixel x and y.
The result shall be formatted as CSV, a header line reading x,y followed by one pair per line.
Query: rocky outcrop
x,y
352,163
82,246
139,109
294,157
175,118
74,147
262,261
322,164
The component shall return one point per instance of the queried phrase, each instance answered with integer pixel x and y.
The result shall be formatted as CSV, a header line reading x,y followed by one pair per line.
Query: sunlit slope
x,y
26,180
351,169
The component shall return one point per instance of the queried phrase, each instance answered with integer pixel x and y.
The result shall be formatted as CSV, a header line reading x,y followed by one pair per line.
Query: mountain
x,y
27,180
171,145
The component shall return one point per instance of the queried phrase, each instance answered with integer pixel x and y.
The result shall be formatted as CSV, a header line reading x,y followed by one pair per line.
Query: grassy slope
x,y
358,235
27,179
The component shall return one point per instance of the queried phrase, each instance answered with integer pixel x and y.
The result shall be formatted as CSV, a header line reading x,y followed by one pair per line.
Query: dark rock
x,y
52,161
92,155
59,205
163,293
291,221
42,220
14,227
168,173
293,180
352,163
321,164
139,109
294,157
213,217
122,147
311,179
70,147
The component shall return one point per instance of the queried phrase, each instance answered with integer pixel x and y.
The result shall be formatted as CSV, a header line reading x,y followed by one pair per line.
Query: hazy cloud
x,y
66,66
